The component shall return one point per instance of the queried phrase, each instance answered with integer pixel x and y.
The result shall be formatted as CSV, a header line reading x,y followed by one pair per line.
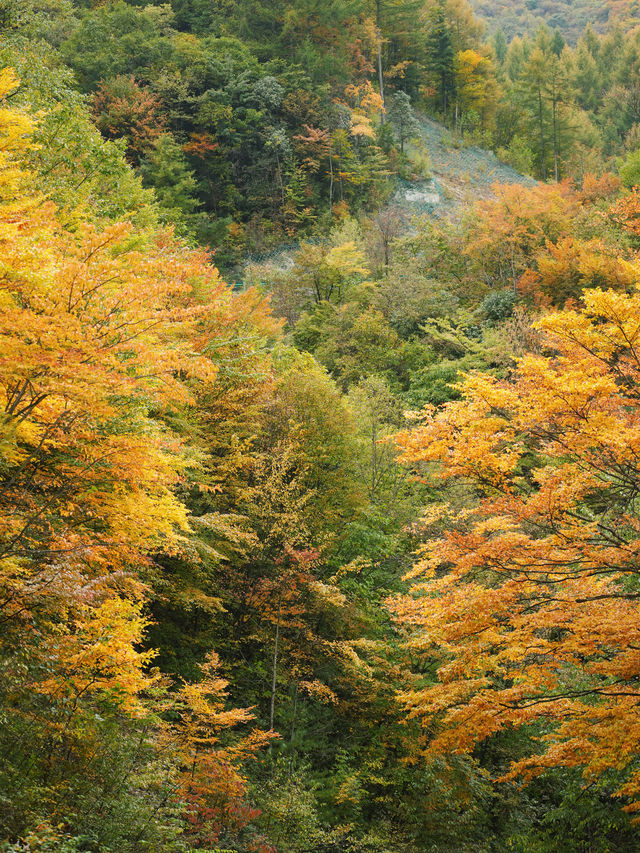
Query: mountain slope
x,y
517,17
459,176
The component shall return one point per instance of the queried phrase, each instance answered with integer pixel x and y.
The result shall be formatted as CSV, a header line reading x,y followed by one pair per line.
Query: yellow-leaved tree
x,y
106,334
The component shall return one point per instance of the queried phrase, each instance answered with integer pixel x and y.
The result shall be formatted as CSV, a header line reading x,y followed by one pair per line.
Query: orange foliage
x,y
314,145
539,240
595,188
123,108
528,598
211,783
626,212
93,333
505,233
564,270
200,145
103,335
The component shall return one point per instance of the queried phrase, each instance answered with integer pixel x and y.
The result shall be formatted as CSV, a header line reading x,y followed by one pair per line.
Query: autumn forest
x,y
320,431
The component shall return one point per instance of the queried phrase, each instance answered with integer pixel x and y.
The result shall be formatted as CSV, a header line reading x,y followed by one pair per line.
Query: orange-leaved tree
x,y
625,212
211,783
527,594
550,243
562,271
124,109
504,233
95,335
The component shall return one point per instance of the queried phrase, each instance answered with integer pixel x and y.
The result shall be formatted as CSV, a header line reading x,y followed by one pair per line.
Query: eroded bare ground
x,y
460,175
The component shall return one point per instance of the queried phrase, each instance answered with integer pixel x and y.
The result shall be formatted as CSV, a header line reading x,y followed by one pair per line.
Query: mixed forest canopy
x,y
319,523
571,17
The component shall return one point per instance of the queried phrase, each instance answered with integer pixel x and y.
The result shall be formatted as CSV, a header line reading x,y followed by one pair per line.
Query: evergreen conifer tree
x,y
440,55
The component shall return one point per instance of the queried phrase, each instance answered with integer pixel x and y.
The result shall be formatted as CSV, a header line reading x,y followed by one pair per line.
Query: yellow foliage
x,y
347,259
319,691
471,73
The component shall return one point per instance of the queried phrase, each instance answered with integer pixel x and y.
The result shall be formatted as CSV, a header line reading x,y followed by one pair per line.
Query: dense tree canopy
x,y
529,597
245,605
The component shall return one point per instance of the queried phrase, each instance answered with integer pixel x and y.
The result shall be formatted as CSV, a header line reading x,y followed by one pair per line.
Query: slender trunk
x,y
275,666
330,177
279,173
555,137
380,75
542,146
295,711
374,457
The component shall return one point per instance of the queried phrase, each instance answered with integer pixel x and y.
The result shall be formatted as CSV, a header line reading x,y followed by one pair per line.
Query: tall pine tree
x,y
440,56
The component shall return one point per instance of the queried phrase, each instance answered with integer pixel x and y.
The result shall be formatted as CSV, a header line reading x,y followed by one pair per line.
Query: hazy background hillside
x,y
518,17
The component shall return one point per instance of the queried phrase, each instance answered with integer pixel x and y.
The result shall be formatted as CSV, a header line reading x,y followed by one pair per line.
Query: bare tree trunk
x,y
555,136
542,146
279,173
295,710
374,456
380,76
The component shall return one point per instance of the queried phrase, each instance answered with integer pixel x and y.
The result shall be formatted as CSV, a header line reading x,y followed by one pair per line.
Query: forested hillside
x,y
341,554
571,17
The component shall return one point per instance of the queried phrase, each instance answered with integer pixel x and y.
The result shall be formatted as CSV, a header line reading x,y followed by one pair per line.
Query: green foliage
x,y
254,128
289,808
80,777
570,17
519,154
80,171
249,125
499,42
568,110
166,169
117,39
499,305
402,117
629,170
440,56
